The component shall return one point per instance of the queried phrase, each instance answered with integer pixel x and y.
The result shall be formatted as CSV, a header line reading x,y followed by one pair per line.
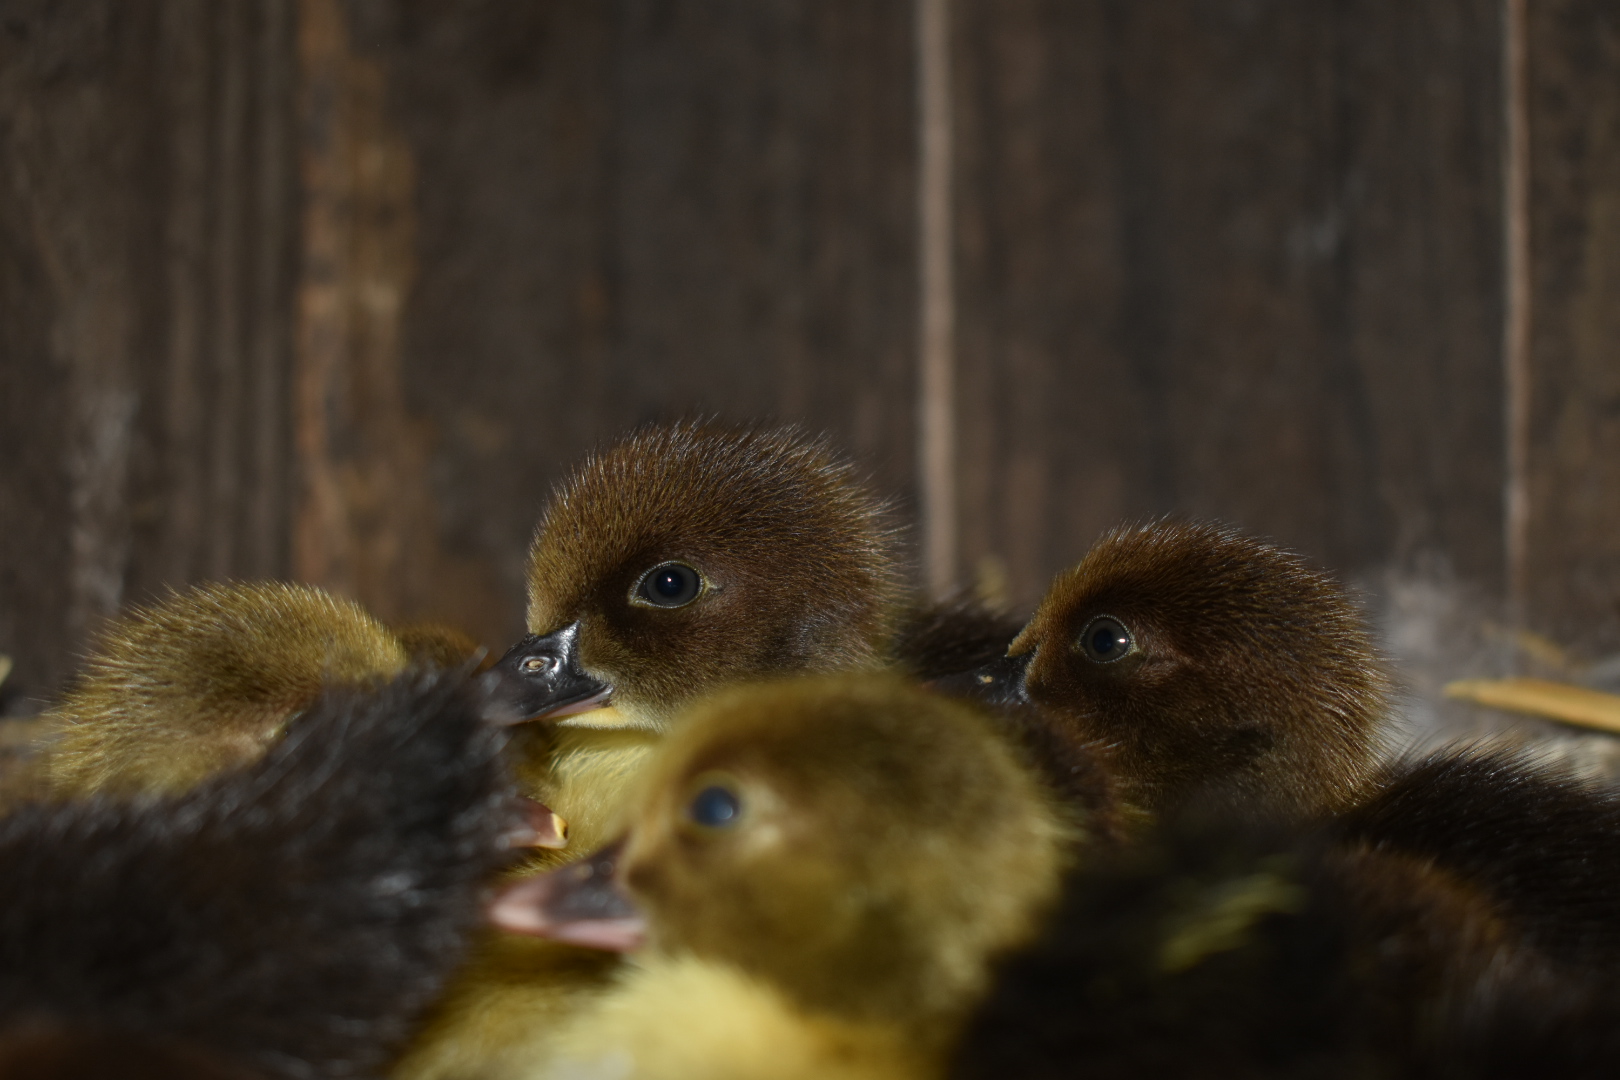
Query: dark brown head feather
x,y
1250,678
795,554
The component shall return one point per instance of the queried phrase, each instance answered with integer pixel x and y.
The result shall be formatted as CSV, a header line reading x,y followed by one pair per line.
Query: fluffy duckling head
x,y
1205,663
206,679
861,845
697,554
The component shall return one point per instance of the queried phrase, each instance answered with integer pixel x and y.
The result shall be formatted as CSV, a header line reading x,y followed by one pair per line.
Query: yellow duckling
x,y
822,870
205,680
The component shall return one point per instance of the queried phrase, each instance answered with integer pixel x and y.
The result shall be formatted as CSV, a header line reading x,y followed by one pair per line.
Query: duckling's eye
x,y
671,585
715,807
1105,639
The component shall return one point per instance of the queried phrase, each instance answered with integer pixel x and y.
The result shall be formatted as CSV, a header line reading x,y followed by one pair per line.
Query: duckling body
x,y
1463,922
935,641
1543,844
1203,665
679,1018
859,847
206,680
506,1009
292,918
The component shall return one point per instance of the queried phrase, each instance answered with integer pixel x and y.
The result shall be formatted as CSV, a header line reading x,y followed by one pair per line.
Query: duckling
x,y
206,679
678,560
1462,922
694,555
292,918
822,869
1202,664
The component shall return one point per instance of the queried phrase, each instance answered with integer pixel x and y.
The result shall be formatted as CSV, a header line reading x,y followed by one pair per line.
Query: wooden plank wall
x,y
1233,260
631,212
336,290
146,270
1573,473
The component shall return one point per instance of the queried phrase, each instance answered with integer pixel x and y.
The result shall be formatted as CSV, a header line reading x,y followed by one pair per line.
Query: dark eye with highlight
x,y
670,585
1105,640
715,807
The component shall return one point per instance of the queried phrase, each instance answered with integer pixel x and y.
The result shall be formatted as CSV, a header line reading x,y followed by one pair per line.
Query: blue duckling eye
x,y
715,807
1105,639
669,585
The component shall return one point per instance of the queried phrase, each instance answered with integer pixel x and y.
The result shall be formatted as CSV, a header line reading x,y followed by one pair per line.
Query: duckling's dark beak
x,y
541,677
1000,682
581,904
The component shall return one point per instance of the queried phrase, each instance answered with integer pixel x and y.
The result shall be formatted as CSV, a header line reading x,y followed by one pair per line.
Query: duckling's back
x,y
206,679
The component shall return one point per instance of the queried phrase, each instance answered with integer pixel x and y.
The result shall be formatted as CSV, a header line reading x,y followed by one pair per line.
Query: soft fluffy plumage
x,y
1465,922
205,680
296,916
888,843
1250,679
797,560
939,640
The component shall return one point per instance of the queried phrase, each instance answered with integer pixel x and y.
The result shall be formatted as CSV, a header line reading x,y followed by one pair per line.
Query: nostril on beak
x,y
541,665
544,677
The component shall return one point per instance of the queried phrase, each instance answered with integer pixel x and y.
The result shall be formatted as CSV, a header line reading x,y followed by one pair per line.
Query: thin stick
x,y
1539,697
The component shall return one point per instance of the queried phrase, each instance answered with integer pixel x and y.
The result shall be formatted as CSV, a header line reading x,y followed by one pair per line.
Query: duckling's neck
x,y
628,715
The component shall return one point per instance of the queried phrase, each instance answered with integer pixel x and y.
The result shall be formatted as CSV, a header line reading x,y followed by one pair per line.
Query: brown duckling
x,y
292,918
1464,922
206,679
824,868
1201,664
694,555
679,560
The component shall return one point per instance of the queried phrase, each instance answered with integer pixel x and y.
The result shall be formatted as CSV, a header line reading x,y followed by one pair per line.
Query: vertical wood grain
x,y
1233,261
1518,293
1572,572
936,318
337,289
142,216
640,211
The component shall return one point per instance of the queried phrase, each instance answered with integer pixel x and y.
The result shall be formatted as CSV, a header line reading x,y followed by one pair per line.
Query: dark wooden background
x,y
335,291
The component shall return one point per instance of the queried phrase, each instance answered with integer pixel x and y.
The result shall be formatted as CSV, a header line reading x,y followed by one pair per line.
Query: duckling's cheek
x,y
645,879
1064,682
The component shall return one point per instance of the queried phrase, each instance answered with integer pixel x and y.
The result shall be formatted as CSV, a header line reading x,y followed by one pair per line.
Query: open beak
x,y
580,904
541,678
538,827
1000,682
